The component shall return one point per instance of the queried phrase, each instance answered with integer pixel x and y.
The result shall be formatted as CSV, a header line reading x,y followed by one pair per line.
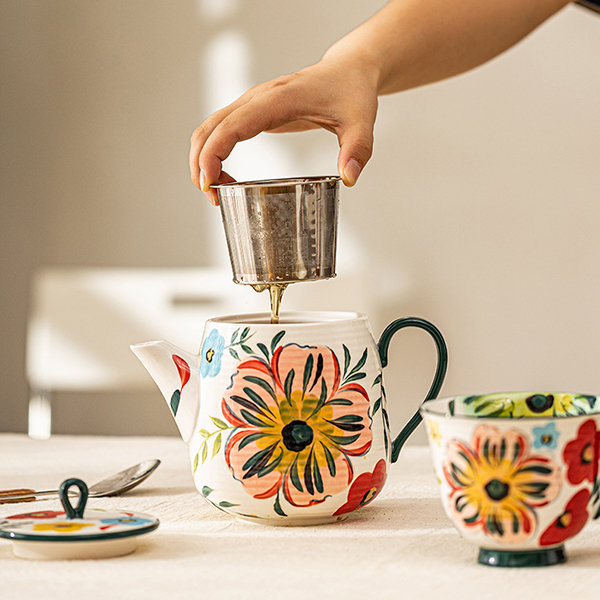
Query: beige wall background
x,y
480,209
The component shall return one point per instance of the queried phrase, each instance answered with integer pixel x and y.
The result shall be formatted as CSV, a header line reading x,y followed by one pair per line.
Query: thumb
x,y
356,147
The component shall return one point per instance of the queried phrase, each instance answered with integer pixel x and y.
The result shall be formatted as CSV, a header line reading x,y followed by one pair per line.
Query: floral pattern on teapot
x,y
293,418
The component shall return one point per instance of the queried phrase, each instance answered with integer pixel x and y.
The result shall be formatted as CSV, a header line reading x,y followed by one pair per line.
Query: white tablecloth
x,y
402,546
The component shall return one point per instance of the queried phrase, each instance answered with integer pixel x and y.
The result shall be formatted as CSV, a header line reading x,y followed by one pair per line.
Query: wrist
x,y
346,57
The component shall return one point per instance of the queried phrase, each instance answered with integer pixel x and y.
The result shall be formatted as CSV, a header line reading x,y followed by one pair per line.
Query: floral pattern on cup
x,y
545,437
434,431
596,499
529,405
497,483
581,455
570,522
364,489
297,422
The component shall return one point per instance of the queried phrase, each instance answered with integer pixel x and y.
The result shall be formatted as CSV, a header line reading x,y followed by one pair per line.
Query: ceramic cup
x,y
518,471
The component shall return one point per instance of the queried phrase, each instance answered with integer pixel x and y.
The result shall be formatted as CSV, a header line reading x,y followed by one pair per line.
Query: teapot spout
x,y
176,374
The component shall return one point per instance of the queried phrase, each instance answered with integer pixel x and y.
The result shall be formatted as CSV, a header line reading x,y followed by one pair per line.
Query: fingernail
x,y
213,197
203,183
351,172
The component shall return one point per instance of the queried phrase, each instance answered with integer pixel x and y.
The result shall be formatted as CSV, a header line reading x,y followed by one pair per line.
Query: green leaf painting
x,y
276,339
214,438
175,402
220,424
240,343
277,508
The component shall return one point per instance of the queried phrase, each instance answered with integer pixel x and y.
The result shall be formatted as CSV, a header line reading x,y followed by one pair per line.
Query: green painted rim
x,y
99,537
525,558
428,409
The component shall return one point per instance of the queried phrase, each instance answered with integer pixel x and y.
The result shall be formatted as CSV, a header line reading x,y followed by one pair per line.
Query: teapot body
x,y
293,426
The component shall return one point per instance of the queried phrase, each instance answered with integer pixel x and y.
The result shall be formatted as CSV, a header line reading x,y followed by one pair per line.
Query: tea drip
x,y
276,294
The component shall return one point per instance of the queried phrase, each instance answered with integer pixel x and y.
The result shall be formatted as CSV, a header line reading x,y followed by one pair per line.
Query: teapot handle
x,y
440,372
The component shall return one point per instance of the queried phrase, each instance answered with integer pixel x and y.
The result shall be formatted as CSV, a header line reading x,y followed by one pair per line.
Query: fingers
x,y
244,123
295,127
201,134
314,97
211,194
228,131
356,147
197,141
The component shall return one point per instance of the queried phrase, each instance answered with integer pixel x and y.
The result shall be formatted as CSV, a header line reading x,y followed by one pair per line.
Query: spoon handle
x,y
22,495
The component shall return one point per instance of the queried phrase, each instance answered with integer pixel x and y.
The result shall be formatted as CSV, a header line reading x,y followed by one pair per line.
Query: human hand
x,y
333,94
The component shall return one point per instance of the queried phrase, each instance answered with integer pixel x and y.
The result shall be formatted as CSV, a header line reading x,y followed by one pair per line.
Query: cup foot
x,y
305,522
523,558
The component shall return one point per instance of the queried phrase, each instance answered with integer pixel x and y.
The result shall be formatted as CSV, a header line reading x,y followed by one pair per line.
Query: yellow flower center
x,y
564,520
300,429
209,354
494,485
297,435
60,526
497,490
588,454
368,496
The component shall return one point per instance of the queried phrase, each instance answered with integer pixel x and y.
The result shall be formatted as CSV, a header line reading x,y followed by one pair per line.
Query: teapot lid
x,y
72,525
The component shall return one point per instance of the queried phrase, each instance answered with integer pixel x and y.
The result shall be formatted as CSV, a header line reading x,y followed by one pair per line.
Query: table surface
x,y
399,546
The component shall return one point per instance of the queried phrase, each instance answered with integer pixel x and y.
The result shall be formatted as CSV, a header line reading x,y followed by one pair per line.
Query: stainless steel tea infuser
x,y
281,230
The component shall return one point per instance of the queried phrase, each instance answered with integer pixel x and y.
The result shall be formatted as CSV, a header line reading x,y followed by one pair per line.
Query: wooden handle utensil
x,y
13,496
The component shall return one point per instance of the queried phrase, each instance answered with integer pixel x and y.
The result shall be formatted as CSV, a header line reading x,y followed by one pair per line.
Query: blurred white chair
x,y
83,320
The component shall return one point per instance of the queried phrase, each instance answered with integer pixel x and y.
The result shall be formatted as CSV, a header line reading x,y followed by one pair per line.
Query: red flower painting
x,y
40,514
570,522
364,489
183,368
581,454
184,375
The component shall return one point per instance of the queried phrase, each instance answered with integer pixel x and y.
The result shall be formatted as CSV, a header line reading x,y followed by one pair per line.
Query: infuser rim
x,y
285,181
307,318
427,409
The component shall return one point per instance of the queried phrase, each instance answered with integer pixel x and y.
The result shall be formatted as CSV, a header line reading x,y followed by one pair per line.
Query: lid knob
x,y
63,492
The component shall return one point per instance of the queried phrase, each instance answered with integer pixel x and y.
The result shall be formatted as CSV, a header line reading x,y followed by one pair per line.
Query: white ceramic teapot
x,y
286,423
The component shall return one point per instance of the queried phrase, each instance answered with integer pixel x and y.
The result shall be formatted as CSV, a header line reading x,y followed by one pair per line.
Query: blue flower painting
x,y
545,437
212,350
126,521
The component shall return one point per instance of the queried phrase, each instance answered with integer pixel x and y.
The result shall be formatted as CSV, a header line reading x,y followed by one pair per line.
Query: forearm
x,y
410,43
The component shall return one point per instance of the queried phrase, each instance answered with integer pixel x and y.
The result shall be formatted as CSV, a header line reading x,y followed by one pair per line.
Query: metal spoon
x,y
111,486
